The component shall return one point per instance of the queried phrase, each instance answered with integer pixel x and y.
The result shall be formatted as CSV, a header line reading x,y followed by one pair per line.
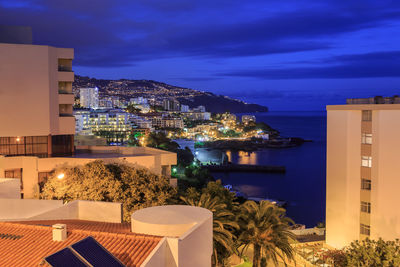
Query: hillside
x,y
127,89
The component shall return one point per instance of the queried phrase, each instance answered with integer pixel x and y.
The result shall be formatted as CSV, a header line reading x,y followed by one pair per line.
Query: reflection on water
x,y
242,157
303,184
229,155
247,158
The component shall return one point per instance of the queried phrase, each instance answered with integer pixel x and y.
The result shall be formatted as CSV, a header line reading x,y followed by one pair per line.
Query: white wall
x,y
10,188
17,209
34,209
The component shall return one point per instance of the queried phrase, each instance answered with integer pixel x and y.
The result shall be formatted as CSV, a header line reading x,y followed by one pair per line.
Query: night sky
x,y
288,55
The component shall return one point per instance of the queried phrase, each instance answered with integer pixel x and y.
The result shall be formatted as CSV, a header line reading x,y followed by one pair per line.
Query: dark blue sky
x,y
288,55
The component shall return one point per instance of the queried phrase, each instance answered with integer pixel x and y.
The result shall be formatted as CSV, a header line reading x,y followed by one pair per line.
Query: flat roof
x,y
364,107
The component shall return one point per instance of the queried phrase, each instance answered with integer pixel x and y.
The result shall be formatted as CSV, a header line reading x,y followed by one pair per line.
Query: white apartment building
x,y
362,171
89,97
37,125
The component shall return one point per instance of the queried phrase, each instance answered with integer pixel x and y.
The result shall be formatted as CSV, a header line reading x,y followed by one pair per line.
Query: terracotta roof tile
x,y
36,241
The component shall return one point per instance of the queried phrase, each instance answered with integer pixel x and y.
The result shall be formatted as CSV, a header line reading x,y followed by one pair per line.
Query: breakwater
x,y
245,168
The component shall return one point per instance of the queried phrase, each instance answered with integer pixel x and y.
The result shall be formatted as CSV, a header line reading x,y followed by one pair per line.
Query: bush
x,y
135,188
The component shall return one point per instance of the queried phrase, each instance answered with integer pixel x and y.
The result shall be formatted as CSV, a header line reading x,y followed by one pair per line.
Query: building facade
x,y
38,135
362,172
36,85
89,97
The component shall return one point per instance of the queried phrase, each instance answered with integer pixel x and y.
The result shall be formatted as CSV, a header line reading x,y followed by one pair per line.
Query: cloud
x,y
368,65
122,33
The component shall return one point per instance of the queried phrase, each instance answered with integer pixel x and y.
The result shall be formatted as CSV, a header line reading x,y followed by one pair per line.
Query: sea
x,y
303,185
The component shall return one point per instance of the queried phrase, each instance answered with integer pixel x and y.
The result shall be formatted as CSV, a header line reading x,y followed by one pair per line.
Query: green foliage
x,y
373,253
265,227
112,136
161,141
134,187
336,257
185,157
224,223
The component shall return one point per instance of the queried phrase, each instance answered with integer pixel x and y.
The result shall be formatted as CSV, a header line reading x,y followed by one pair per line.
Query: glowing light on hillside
x,y
60,176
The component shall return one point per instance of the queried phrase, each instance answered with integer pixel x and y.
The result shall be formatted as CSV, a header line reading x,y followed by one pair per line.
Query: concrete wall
x,y
10,188
29,90
17,209
188,230
150,159
195,247
343,177
34,209
385,196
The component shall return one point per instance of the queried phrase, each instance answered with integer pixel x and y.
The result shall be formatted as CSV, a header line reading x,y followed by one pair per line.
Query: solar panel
x,y
64,258
95,254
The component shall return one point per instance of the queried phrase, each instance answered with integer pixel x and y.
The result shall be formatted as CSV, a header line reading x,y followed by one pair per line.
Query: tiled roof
x,y
27,243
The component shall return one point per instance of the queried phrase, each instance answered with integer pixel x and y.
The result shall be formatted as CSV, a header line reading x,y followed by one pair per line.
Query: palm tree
x,y
223,225
265,227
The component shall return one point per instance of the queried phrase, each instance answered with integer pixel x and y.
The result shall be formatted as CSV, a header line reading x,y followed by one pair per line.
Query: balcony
x,y
65,76
66,98
66,124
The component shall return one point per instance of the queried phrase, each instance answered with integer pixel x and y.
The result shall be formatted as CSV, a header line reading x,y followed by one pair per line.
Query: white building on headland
x,y
89,97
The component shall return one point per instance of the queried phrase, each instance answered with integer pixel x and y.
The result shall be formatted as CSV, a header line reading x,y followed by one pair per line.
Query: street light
x,y
60,176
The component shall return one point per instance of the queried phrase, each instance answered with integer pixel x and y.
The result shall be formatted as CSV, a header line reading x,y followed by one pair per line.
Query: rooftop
x,y
374,100
27,243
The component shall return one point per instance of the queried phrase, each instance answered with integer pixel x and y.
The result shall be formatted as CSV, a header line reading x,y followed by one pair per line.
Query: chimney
x,y
59,232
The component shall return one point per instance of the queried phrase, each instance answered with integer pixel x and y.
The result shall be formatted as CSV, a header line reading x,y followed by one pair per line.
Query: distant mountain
x,y
127,89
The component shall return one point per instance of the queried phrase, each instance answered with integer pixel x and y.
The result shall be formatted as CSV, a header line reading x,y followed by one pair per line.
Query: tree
x,y
223,224
135,188
374,253
265,227
160,140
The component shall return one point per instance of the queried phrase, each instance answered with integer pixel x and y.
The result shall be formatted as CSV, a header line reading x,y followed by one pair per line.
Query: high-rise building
x,y
89,97
184,108
362,170
171,105
36,100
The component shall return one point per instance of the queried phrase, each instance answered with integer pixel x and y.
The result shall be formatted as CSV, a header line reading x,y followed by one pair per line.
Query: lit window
x,y
365,229
367,115
365,207
365,184
366,139
366,161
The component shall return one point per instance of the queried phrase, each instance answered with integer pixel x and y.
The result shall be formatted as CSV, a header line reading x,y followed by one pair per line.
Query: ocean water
x,y
303,184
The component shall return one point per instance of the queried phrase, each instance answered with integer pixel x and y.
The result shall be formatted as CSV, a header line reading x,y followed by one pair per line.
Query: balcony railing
x,y
64,68
64,92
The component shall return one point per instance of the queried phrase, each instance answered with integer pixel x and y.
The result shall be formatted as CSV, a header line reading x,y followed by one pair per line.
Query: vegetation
x,y
265,227
161,141
222,203
136,188
371,253
112,136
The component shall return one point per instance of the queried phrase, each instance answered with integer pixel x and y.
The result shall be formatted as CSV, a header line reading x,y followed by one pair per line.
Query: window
x,y
367,115
366,161
366,138
365,184
365,229
365,207
29,145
